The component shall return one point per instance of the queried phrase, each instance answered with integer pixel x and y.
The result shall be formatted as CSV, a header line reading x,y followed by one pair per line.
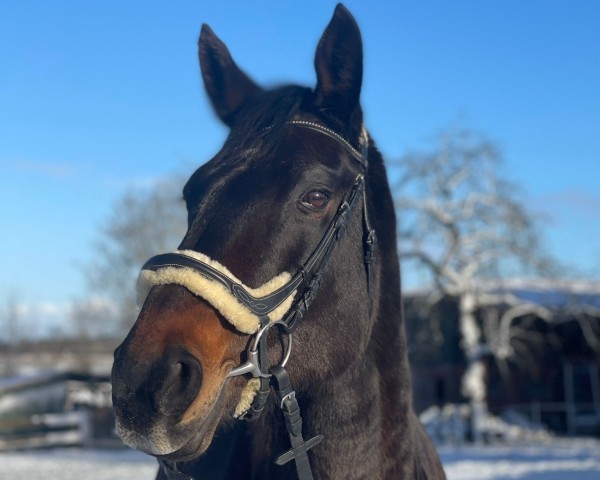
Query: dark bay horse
x,y
283,218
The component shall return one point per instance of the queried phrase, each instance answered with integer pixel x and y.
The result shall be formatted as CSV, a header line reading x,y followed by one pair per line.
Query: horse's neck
x,y
364,414
357,413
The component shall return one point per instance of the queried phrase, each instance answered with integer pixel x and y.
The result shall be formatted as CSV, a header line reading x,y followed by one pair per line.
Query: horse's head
x,y
256,213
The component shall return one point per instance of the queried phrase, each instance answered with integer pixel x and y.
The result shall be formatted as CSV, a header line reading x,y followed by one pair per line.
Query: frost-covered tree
x,y
464,225
143,223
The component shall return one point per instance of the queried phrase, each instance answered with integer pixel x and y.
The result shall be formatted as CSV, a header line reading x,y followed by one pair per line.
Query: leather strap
x,y
320,258
293,422
258,305
361,157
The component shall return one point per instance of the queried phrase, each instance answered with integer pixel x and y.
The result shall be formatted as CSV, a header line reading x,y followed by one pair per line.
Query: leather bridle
x,y
307,280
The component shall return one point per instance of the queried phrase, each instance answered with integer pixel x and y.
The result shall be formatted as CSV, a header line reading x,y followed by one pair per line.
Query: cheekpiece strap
x,y
320,258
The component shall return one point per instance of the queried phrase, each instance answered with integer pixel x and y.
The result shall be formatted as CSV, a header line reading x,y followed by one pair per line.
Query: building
x,y
551,370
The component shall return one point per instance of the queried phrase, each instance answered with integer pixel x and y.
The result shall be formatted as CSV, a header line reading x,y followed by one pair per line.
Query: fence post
x,y
536,412
569,398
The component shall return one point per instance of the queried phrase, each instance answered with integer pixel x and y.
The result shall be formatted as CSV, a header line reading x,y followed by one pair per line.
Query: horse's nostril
x,y
184,370
180,385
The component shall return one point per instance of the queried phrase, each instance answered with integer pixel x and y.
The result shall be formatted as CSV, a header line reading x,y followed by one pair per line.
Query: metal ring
x,y
260,333
288,351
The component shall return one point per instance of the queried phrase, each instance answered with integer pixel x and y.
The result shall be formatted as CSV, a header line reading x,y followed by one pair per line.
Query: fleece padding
x,y
247,397
215,293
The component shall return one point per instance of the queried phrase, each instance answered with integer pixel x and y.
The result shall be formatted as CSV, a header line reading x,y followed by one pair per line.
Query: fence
x,y
568,417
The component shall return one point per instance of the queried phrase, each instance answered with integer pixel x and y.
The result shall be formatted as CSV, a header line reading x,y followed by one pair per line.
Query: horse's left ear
x,y
228,87
339,65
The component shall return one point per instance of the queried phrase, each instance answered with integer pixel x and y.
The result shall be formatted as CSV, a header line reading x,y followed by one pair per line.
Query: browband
x,y
361,157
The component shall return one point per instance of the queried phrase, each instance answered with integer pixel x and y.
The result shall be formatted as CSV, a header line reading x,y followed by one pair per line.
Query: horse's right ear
x,y
339,66
227,86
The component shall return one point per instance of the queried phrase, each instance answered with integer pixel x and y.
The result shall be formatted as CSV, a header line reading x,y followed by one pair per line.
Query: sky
x,y
100,96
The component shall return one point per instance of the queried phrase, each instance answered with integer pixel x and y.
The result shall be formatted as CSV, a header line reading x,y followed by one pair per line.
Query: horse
x,y
291,236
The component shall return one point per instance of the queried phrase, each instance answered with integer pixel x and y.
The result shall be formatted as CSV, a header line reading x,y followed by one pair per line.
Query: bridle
x,y
306,280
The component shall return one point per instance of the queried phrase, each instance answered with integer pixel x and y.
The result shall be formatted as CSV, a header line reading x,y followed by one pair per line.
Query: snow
x,y
449,425
517,448
556,459
77,464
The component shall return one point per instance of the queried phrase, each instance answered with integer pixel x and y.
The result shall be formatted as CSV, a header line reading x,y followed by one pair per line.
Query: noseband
x,y
258,310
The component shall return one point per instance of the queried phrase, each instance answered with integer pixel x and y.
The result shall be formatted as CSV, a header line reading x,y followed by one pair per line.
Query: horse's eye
x,y
315,199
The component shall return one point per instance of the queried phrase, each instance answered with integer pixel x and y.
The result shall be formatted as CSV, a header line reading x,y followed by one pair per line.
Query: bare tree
x,y
91,318
463,224
143,223
91,321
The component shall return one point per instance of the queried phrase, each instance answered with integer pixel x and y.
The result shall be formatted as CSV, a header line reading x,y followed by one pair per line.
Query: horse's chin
x,y
172,446
192,449
189,452
178,442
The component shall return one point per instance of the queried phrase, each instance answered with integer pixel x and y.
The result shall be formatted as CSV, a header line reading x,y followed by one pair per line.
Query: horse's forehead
x,y
293,152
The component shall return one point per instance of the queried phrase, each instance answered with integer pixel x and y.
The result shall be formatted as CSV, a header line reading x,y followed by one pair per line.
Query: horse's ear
x,y
339,65
227,86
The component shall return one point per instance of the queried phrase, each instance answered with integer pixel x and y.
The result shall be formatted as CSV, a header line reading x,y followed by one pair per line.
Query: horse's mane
x,y
259,122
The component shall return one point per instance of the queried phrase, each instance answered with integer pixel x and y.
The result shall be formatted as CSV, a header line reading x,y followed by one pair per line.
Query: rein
x,y
309,276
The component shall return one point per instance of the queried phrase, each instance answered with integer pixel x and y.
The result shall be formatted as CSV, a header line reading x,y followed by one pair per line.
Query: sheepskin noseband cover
x,y
214,292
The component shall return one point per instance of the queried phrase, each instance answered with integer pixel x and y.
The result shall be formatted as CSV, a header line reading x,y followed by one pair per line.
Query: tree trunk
x,y
473,381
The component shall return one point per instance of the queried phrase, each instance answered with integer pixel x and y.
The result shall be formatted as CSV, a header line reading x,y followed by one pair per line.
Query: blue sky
x,y
97,96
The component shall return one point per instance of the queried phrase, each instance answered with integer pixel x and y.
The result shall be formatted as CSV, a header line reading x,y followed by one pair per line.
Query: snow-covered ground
x,y
560,459
556,460
75,464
